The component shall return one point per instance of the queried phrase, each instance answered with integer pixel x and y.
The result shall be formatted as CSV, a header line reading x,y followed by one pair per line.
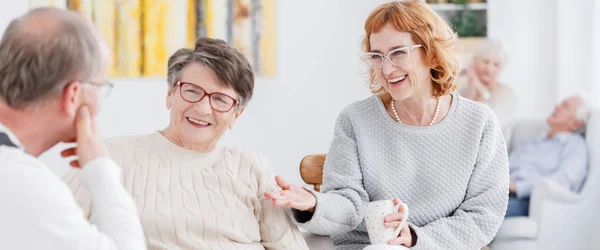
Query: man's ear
x,y
238,112
71,98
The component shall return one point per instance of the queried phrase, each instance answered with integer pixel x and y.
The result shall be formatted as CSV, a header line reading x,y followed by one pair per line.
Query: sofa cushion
x,y
517,227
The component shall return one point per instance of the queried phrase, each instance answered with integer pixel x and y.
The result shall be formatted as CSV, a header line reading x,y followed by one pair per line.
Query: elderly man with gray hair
x,y
559,155
53,69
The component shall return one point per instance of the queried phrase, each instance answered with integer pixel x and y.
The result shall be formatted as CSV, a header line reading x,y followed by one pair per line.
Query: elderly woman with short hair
x,y
191,193
482,84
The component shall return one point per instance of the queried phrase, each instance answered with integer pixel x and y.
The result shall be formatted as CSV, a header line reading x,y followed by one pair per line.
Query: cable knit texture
x,y
453,176
192,200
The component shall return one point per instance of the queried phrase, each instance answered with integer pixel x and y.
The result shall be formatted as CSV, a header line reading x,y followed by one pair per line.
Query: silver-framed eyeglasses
x,y
397,57
105,87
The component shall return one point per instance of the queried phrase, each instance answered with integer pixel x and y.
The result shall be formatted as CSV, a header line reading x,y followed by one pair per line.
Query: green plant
x,y
468,22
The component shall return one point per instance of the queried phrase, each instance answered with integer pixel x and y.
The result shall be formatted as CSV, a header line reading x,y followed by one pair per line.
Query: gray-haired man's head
x,y
43,51
571,114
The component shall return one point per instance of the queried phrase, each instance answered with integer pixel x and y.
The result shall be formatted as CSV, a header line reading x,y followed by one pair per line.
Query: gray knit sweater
x,y
453,176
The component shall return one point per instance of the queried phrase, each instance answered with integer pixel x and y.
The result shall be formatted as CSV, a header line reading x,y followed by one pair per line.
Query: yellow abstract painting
x,y
143,34
249,25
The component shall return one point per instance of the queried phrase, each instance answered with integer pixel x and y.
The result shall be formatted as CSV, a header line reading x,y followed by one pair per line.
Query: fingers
x,y
72,140
401,208
89,142
84,123
285,202
279,195
405,230
275,196
282,183
394,217
68,152
271,195
278,199
402,240
392,224
295,198
74,164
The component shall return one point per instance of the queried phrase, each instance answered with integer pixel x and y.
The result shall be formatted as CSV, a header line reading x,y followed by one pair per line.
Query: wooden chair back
x,y
311,170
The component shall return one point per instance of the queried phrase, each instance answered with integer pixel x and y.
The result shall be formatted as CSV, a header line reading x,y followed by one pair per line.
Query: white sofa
x,y
558,218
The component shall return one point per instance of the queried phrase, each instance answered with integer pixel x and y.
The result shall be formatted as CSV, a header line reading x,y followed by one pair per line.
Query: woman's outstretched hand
x,y
292,196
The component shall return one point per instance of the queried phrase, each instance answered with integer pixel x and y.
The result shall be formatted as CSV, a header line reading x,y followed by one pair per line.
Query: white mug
x,y
375,213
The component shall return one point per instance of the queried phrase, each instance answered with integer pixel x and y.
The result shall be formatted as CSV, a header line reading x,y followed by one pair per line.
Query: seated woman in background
x,y
482,84
439,153
191,193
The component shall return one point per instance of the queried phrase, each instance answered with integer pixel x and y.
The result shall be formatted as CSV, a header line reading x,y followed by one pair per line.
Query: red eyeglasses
x,y
218,101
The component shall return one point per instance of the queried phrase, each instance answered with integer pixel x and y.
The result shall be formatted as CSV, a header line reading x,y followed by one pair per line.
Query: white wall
x,y
527,29
9,10
574,37
595,52
550,47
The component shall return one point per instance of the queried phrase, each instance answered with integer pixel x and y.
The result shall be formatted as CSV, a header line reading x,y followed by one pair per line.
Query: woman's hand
x,y
471,73
292,196
393,220
476,89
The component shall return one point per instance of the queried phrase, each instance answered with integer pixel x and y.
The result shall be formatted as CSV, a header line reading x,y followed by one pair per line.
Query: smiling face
x,y
198,124
488,67
408,80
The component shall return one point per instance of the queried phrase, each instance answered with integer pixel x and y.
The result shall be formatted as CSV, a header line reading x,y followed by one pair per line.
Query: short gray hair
x,y
229,65
583,112
42,51
491,46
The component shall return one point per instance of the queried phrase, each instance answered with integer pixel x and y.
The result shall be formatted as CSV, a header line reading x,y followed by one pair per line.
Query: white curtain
x,y
577,44
595,52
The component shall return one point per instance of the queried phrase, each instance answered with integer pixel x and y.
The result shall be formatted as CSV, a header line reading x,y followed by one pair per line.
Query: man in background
x,y
560,155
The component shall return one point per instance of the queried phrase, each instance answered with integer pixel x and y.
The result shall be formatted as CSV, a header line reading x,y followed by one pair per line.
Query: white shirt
x,y
38,210
563,159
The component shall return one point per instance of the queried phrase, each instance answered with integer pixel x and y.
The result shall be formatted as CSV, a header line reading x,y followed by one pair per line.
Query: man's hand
x,y
512,188
89,143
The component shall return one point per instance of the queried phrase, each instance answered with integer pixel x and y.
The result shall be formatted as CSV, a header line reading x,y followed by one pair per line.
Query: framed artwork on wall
x,y
142,34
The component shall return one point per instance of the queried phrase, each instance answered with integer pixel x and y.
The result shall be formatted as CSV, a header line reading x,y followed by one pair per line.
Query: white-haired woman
x,y
482,84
